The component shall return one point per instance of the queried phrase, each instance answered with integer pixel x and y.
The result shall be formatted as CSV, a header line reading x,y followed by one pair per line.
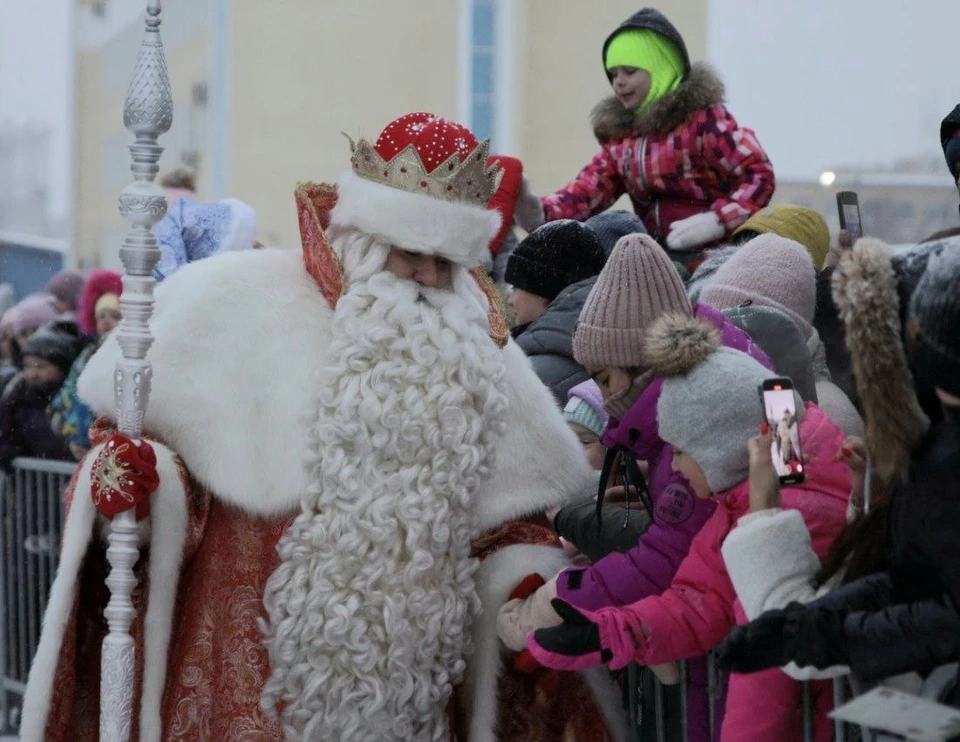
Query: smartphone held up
x,y
848,206
780,411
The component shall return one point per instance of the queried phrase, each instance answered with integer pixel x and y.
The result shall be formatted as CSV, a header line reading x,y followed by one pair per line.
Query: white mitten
x,y
699,229
528,212
518,617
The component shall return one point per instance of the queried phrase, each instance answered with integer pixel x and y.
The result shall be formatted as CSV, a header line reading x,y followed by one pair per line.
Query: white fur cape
x,y
238,337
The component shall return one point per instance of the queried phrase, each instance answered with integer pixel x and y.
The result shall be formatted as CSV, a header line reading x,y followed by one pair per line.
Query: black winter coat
x,y
913,624
924,540
25,428
548,341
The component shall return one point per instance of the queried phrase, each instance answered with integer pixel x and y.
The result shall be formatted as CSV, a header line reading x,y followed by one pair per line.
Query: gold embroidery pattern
x,y
111,474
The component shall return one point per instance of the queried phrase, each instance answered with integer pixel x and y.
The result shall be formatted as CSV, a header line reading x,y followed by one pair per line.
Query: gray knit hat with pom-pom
x,y
710,403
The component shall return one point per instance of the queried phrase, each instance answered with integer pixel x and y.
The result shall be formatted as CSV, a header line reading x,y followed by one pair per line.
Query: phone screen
x,y
781,410
851,221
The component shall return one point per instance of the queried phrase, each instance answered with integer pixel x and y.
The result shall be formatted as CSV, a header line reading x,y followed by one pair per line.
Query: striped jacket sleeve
x,y
595,189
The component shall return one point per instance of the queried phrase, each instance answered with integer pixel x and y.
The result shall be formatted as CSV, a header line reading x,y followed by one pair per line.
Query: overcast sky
x,y
833,82
35,77
823,82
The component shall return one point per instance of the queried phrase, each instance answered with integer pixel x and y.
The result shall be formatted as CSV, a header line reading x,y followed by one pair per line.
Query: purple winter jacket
x,y
649,567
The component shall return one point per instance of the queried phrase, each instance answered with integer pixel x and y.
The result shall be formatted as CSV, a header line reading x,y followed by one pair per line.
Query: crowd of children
x,y
693,543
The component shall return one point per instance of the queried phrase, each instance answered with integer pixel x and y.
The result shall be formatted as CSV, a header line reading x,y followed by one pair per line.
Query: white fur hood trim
x,y
460,232
539,461
167,535
238,337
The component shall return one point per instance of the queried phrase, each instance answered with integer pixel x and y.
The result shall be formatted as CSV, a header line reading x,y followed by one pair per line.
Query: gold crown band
x,y
469,181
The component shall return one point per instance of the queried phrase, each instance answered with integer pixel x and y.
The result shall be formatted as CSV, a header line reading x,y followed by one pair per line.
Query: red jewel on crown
x,y
425,153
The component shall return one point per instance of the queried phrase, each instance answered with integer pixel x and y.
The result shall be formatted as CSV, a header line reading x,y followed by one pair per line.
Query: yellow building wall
x,y
300,72
102,157
303,72
89,160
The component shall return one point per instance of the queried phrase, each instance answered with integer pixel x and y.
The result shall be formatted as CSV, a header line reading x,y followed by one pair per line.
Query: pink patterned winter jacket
x,y
684,155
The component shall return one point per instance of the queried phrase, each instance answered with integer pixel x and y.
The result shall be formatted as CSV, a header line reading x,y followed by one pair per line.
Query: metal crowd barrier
x,y
31,524
661,728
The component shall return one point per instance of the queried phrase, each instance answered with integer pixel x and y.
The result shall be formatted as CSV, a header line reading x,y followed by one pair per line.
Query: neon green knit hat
x,y
647,50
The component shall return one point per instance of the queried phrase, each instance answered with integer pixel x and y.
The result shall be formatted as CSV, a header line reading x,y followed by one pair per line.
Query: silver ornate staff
x,y
147,113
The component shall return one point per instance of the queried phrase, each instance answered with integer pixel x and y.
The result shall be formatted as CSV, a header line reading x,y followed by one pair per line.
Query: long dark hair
x,y
860,549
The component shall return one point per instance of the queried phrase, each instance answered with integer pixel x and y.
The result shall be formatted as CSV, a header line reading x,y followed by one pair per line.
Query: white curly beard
x,y
371,608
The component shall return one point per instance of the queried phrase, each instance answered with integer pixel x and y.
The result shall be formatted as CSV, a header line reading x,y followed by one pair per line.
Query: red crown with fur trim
x,y
424,186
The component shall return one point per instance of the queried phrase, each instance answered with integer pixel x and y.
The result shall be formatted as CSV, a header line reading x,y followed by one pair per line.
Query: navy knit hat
x,y
610,226
554,256
934,322
58,342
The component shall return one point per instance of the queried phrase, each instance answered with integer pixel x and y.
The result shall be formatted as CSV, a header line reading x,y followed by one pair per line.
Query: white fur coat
x,y
238,338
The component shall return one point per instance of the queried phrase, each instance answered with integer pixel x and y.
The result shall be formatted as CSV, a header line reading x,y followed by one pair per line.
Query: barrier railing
x,y
939,686
661,728
31,525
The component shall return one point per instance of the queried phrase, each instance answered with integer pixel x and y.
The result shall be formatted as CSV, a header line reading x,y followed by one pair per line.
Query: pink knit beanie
x,y
66,286
33,311
769,271
637,285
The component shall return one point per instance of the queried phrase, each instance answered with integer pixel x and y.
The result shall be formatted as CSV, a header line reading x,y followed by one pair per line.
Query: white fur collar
x,y
238,337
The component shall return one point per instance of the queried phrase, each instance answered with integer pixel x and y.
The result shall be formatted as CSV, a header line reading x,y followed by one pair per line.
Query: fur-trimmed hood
x,y
701,89
865,290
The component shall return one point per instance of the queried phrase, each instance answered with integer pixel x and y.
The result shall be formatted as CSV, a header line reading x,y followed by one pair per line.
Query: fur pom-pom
x,y
678,343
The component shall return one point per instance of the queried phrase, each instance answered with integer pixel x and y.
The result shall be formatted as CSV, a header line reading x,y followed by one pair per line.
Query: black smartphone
x,y
780,411
848,205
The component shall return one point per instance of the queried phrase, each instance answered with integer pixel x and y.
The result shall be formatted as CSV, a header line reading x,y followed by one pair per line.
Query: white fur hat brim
x,y
457,231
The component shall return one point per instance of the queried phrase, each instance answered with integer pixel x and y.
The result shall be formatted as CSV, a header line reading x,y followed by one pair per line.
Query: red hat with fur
x,y
99,283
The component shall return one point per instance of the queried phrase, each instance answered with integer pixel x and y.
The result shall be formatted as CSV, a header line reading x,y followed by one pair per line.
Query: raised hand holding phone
x,y
780,413
764,483
844,243
848,206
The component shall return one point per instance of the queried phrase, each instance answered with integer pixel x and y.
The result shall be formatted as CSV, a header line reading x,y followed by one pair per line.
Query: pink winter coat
x,y
699,608
684,155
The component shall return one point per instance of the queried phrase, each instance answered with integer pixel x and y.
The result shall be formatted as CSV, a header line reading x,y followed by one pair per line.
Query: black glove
x,y
795,634
610,636
573,645
808,635
870,593
619,530
755,646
